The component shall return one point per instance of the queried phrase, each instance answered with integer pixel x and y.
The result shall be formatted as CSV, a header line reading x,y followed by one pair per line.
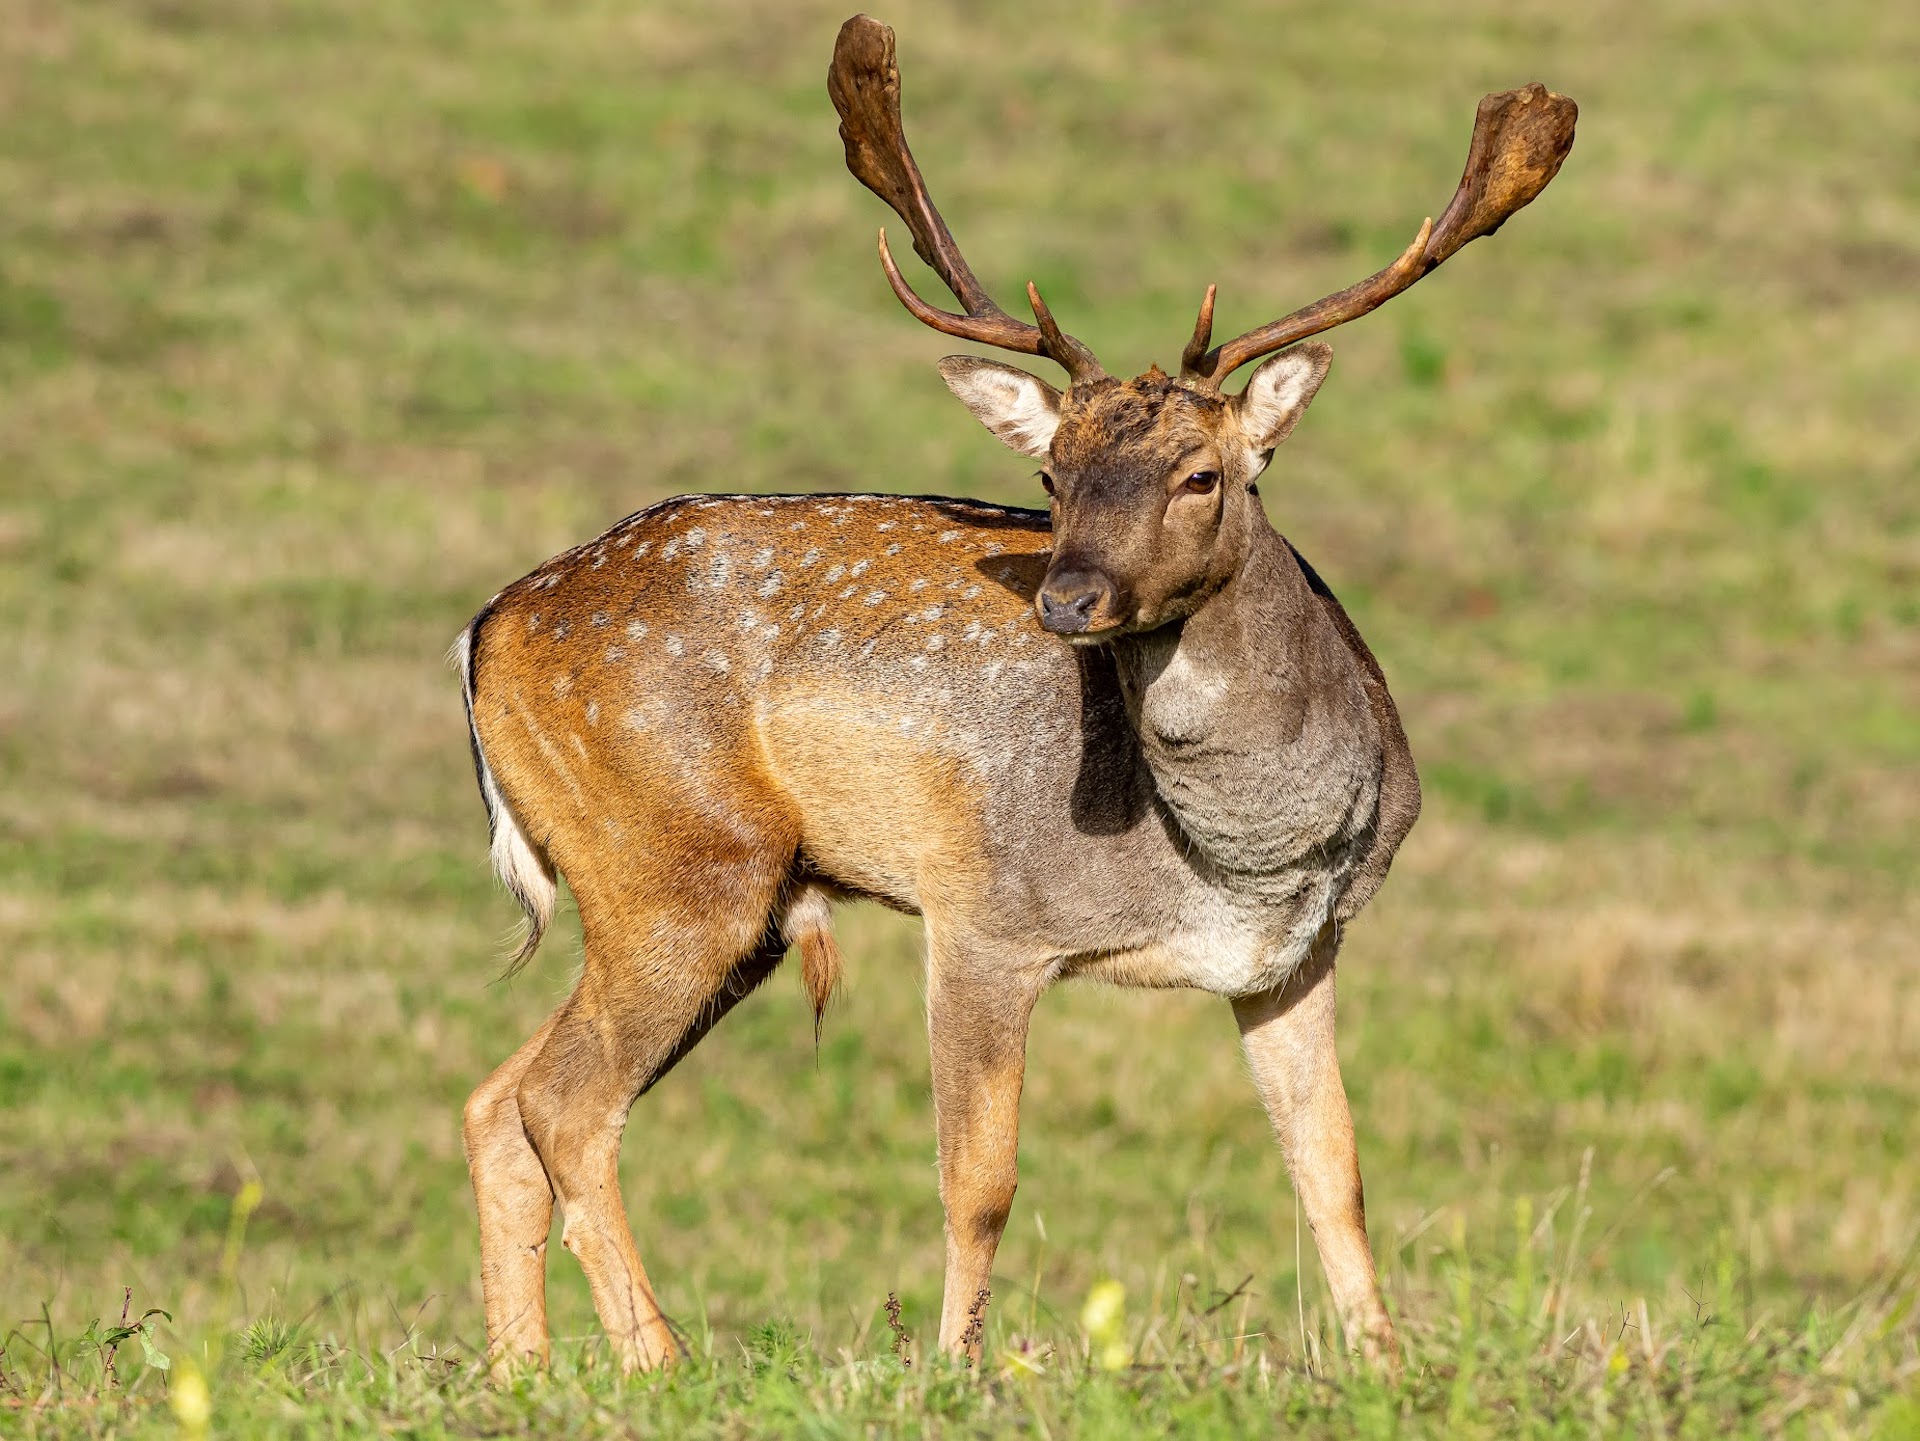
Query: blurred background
x,y
319,323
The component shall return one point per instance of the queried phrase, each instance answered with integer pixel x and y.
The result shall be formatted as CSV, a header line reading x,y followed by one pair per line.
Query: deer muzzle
x,y
1077,600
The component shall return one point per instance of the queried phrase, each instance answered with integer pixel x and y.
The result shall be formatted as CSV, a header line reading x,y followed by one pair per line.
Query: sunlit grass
x,y
319,323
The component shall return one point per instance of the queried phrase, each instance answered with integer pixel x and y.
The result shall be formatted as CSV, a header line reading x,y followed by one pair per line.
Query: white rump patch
x,y
522,867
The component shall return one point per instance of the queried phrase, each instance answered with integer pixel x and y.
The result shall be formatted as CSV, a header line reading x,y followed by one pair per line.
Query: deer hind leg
x,y
1288,1033
515,1201
977,1026
652,986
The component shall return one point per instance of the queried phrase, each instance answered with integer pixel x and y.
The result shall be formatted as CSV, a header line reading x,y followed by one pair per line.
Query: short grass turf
x,y
319,322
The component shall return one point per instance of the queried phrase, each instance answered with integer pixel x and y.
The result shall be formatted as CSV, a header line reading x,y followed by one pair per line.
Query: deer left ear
x,y
1279,393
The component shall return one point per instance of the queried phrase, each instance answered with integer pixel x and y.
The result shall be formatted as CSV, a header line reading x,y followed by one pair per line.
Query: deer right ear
x,y
1021,409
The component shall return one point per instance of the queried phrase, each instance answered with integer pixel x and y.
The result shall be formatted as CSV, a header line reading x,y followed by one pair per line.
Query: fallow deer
x,y
1131,738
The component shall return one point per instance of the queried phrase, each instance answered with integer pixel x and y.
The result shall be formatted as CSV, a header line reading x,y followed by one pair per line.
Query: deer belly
x,y
881,809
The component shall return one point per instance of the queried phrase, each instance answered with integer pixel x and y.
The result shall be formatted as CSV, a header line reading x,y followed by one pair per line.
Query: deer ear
x,y
1279,393
1021,409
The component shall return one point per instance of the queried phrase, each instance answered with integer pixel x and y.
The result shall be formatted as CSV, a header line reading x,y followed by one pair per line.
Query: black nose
x,y
1068,600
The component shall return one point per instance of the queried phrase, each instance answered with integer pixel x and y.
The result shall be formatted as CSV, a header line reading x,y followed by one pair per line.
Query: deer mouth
x,y
1089,639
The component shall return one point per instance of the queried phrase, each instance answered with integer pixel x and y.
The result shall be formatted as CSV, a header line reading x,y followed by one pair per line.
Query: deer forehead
x,y
1153,421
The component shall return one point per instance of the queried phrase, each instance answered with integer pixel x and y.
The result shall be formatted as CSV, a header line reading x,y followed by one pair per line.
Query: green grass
x,y
318,323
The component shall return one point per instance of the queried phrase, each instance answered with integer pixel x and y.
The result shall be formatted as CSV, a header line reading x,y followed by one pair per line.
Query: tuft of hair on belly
x,y
806,921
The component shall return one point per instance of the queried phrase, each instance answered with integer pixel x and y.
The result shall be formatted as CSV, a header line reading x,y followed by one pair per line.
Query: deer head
x,y
1151,479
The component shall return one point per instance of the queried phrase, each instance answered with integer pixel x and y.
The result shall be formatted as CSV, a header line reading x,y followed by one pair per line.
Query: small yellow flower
x,y
1104,1315
192,1402
1105,1310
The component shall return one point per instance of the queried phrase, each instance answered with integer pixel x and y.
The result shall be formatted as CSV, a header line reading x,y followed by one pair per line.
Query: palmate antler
x,y
864,82
1520,137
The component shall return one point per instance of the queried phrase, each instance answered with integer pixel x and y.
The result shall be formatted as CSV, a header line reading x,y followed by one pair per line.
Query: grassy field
x,y
320,322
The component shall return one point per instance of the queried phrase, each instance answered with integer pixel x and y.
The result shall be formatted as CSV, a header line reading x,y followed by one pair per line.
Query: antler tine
x,y
864,82
1520,138
1196,350
1060,346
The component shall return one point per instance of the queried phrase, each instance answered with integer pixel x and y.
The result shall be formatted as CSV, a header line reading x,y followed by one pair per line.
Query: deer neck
x,y
1246,717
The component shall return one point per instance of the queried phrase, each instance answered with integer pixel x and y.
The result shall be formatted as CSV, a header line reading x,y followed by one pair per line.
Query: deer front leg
x,y
977,1024
1288,1033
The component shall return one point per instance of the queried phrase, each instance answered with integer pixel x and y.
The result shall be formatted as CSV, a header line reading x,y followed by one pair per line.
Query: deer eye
x,y
1046,482
1201,482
